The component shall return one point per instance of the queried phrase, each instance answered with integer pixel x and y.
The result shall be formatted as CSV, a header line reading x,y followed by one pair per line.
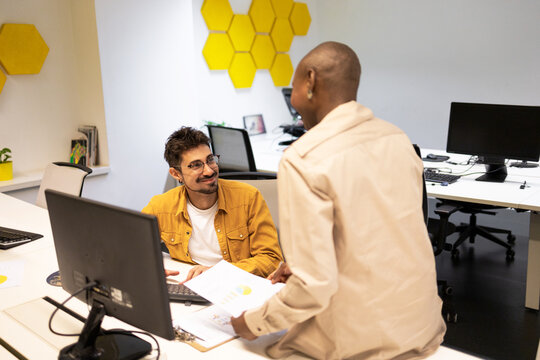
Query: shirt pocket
x,y
238,240
173,241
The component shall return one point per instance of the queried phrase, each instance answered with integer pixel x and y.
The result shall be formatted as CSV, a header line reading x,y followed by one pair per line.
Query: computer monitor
x,y
494,133
287,96
120,251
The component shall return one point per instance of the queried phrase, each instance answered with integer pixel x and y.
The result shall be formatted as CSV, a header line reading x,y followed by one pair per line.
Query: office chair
x,y
267,185
470,230
234,147
62,176
438,230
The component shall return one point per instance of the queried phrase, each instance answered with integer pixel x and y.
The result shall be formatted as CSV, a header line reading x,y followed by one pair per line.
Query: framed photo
x,y
254,124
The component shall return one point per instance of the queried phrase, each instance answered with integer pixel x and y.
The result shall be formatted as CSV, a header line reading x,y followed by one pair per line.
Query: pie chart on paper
x,y
3,279
243,290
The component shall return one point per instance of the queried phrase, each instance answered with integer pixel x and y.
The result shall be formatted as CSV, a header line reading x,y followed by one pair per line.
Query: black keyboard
x,y
10,237
440,177
180,292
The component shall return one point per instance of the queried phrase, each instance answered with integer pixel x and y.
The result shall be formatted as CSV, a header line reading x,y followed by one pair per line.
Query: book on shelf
x,y
90,132
79,151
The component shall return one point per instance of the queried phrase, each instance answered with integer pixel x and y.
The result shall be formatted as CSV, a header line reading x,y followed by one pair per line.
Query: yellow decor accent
x,y
218,51
217,14
241,33
22,49
262,15
282,8
260,40
242,70
282,35
263,51
6,171
2,80
300,19
282,70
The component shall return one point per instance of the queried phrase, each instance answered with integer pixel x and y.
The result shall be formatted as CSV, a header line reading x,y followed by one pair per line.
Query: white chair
x,y
267,185
64,177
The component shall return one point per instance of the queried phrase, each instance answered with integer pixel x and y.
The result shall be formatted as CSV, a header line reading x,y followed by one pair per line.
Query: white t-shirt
x,y
203,244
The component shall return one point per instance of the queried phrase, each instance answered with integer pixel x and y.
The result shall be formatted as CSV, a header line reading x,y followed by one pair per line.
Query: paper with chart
x,y
11,273
233,289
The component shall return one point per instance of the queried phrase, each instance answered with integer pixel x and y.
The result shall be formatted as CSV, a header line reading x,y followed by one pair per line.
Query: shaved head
x,y
337,67
325,78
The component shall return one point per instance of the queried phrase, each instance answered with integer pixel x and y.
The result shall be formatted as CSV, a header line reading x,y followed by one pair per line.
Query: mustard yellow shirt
x,y
246,233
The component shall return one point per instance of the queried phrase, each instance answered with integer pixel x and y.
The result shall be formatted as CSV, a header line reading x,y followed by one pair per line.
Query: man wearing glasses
x,y
209,219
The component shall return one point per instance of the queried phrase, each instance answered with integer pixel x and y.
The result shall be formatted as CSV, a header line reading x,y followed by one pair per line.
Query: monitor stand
x,y
93,344
494,173
523,164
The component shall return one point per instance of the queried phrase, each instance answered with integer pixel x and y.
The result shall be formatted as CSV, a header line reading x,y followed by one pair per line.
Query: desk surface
x,y
39,260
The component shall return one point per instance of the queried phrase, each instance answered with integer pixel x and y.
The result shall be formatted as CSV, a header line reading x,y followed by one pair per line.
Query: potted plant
x,y
6,166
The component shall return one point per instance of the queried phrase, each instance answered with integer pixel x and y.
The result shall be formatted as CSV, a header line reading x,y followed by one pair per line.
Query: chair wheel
x,y
455,254
510,255
511,238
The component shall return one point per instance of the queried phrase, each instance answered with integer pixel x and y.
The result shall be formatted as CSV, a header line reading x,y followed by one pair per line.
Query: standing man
x,y
360,280
207,219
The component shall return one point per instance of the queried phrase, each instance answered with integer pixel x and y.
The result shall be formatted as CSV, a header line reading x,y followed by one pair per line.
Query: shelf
x,y
31,179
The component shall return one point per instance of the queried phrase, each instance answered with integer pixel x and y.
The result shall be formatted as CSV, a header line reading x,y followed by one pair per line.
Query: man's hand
x,y
196,271
171,272
240,327
281,274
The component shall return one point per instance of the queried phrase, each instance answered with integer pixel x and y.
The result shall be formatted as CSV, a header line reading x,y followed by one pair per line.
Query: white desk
x,y
27,332
507,194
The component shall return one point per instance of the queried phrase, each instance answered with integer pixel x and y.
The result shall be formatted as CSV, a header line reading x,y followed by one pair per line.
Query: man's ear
x,y
176,174
311,79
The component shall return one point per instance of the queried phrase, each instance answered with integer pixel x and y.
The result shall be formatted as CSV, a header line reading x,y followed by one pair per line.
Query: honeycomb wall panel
x,y
22,49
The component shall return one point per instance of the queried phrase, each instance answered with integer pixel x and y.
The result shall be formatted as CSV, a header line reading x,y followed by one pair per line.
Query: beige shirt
x,y
353,234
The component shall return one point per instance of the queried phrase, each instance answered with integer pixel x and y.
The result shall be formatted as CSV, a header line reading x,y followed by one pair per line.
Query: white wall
x,y
420,55
146,51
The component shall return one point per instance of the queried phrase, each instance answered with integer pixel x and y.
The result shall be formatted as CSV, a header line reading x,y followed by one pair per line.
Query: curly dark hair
x,y
181,140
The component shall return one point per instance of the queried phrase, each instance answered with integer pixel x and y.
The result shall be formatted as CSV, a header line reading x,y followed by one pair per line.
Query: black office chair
x,y
234,147
438,230
470,230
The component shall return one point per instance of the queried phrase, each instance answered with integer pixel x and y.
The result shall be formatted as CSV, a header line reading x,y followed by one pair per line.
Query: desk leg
x,y
532,292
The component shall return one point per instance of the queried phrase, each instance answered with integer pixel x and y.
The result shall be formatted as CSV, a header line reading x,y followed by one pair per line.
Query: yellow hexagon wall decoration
x,y
282,35
217,14
300,19
263,51
22,49
2,80
218,51
282,70
282,8
262,15
242,70
241,33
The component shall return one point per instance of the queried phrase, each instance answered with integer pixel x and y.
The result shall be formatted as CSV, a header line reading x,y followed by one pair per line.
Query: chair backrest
x,y
267,185
64,177
234,147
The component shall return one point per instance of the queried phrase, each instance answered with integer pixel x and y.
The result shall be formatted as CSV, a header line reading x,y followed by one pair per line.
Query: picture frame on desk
x,y
254,124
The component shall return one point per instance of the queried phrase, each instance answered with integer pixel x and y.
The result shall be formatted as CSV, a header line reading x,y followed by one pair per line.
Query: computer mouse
x,y
444,183
432,156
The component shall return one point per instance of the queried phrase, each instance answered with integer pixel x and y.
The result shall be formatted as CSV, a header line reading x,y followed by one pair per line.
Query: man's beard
x,y
212,190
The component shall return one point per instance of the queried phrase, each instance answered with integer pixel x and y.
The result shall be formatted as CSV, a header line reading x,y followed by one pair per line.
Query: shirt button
x,y
172,240
218,230
241,235
187,232
224,253
259,329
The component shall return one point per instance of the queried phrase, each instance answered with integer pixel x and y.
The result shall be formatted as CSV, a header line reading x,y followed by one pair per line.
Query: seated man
x,y
206,220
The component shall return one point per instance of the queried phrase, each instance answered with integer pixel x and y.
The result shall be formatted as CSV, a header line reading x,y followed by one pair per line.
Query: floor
x,y
488,294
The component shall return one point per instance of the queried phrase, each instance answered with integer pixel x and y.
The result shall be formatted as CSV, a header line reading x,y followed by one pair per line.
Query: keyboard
x,y
440,177
180,292
10,237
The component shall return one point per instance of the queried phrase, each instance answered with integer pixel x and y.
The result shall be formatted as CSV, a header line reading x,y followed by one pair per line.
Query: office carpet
x,y
489,296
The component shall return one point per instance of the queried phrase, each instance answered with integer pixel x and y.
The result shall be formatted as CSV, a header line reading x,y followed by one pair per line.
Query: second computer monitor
x,y
494,132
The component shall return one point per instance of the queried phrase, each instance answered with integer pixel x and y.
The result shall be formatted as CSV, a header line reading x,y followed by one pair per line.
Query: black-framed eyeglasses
x,y
198,165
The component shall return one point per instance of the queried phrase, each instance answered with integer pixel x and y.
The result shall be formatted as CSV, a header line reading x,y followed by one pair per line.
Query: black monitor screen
x,y
119,250
496,131
287,95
